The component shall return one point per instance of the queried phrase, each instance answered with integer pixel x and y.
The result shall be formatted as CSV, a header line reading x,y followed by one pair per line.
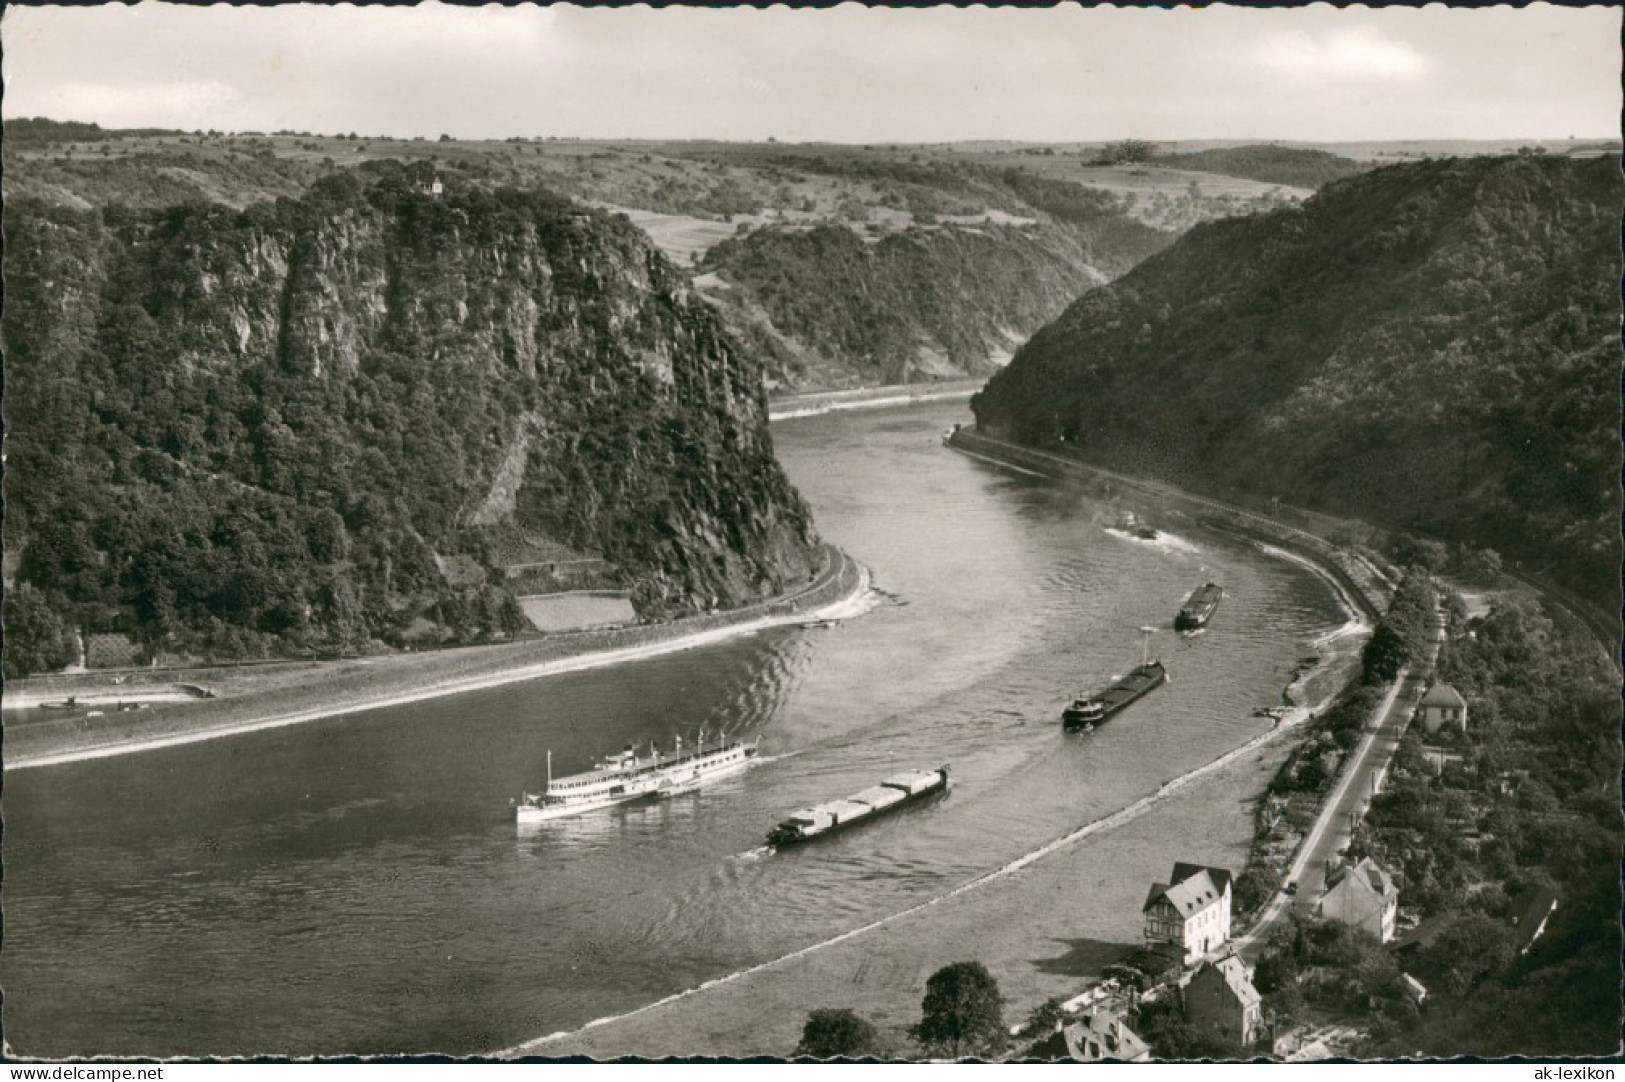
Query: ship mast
x,y
1145,646
550,768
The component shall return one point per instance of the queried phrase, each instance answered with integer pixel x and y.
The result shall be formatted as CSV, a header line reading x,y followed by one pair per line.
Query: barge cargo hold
x,y
1198,608
893,793
1088,711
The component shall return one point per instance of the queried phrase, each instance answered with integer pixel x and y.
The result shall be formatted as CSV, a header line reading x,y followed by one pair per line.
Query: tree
x,y
962,1013
837,1032
36,638
1126,152
1384,655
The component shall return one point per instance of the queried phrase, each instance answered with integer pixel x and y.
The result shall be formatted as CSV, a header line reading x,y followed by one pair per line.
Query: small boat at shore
x,y
895,792
628,776
1198,608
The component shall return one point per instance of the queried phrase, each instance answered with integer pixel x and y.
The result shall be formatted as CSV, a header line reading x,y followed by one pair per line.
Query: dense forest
x,y
1433,346
306,425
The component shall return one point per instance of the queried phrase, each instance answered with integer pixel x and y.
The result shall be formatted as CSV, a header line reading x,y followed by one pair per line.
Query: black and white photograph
x,y
819,533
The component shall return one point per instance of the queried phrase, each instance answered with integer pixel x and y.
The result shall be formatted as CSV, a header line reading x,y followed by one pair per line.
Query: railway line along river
x,y
358,885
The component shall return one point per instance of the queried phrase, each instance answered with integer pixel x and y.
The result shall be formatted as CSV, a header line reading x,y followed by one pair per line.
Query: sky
x,y
848,74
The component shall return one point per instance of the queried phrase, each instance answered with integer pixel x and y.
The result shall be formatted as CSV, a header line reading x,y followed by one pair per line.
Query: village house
x,y
1442,706
1096,1037
1220,999
1192,913
1362,895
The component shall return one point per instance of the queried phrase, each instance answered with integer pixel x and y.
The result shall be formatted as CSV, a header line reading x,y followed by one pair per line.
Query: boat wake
x,y
751,856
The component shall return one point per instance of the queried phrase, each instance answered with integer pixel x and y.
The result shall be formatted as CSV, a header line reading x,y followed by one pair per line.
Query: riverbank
x,y
252,698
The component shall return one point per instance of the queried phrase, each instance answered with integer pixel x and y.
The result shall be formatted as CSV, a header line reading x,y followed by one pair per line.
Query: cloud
x,y
1362,54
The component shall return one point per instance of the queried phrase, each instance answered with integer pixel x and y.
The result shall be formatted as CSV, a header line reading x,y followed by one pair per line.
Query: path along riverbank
x,y
252,698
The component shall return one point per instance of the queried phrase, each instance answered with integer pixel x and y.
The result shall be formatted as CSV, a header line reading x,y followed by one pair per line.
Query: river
x,y
359,886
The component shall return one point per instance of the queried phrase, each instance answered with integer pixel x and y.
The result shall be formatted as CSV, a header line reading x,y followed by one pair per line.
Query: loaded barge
x,y
1088,711
891,794
1198,608
628,776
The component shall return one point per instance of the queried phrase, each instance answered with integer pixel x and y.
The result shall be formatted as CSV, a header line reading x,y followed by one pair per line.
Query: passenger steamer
x,y
628,776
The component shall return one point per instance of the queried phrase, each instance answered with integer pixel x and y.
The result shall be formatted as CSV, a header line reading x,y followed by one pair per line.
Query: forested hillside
x,y
311,423
929,302
1433,346
1301,167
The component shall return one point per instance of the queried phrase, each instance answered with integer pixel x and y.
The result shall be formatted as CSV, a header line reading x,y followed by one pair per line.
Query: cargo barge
x,y
1198,608
893,793
1088,711
629,776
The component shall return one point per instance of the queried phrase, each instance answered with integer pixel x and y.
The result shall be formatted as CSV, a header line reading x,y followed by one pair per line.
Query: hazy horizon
x,y
846,75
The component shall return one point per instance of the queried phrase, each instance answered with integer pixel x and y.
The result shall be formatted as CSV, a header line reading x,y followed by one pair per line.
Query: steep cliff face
x,y
280,421
1434,346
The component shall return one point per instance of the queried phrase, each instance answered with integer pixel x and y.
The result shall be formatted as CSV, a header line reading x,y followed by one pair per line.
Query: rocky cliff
x,y
273,428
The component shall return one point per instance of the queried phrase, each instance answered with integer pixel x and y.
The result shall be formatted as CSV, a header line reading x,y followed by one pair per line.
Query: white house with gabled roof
x,y
1442,706
1192,913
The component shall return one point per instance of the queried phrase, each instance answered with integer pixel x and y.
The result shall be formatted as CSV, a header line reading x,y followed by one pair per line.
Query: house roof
x,y
1422,935
1367,874
1220,876
1443,695
1233,972
1412,987
1188,897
